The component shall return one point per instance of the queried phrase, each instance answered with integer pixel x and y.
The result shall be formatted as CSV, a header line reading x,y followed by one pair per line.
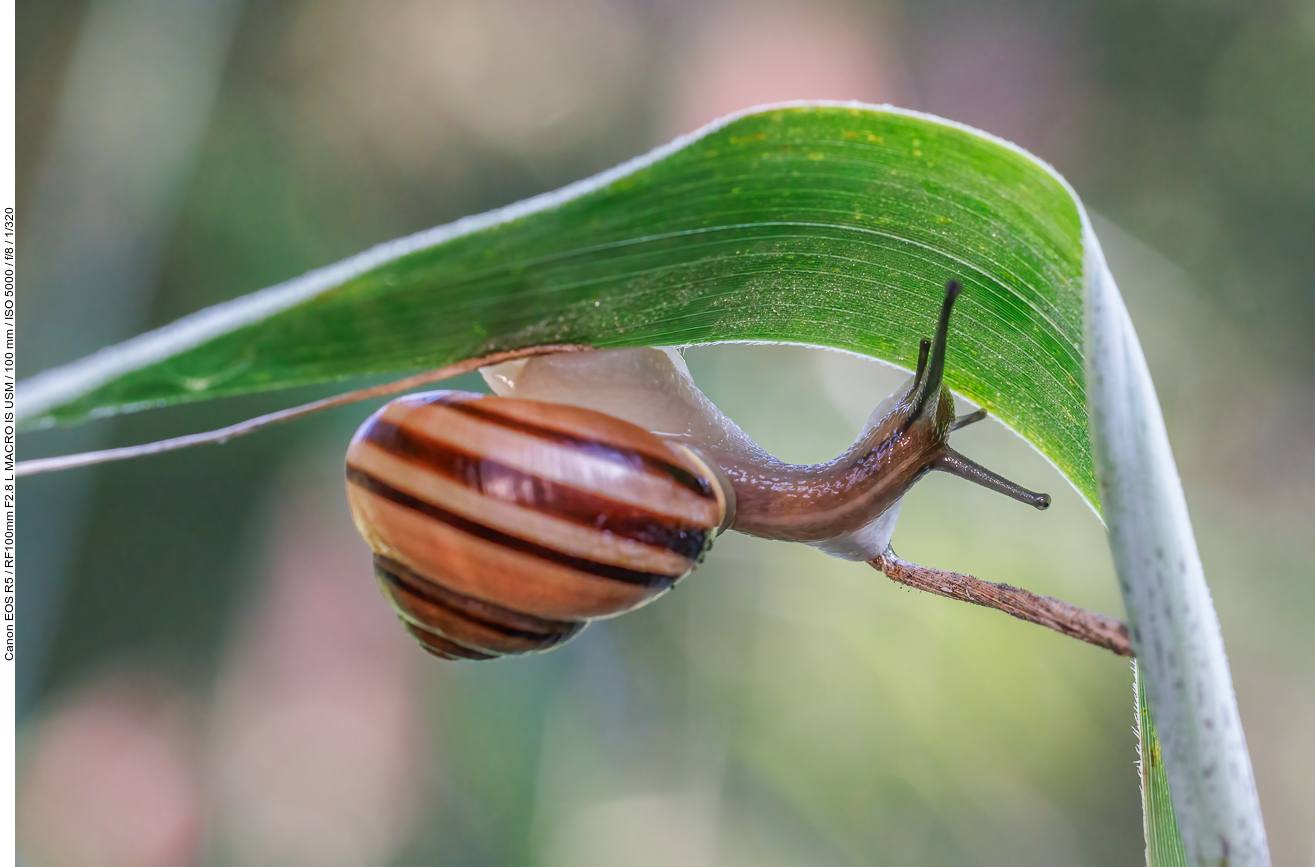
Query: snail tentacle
x,y
970,418
929,387
956,464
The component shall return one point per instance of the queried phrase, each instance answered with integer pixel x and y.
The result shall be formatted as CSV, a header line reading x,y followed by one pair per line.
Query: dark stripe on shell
x,y
379,488
442,647
513,624
510,485
593,448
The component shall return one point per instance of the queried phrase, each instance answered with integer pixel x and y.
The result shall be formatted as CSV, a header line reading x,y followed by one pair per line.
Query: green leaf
x,y
827,224
1164,848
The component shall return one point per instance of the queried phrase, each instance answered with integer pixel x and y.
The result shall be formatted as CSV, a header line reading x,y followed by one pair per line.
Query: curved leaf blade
x,y
827,224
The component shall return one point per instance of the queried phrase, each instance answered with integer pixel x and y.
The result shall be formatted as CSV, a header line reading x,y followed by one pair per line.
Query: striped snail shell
x,y
502,526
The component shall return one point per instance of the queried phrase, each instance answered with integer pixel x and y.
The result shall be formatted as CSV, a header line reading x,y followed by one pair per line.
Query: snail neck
x,y
804,503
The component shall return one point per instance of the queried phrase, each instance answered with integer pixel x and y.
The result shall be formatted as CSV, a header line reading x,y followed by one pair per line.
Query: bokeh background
x,y
207,673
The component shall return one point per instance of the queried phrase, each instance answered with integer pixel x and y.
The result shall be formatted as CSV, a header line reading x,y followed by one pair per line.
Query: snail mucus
x,y
588,484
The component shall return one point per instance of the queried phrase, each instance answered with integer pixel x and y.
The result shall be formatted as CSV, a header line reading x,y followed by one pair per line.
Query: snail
x,y
589,484
601,479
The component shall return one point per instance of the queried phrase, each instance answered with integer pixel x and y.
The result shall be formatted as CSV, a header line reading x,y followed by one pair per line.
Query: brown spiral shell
x,y
502,526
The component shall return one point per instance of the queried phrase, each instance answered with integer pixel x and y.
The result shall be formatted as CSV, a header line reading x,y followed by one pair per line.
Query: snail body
x,y
845,506
593,482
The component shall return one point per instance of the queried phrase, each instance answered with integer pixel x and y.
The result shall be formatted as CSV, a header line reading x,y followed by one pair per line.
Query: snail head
x,y
929,414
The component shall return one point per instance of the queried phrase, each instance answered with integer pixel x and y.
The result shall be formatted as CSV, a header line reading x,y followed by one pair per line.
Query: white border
x,y
8,663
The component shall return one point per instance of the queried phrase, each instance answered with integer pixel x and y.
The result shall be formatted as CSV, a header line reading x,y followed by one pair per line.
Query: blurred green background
x,y
207,673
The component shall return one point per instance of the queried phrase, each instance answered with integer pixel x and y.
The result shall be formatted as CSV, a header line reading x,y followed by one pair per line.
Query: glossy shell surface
x,y
502,526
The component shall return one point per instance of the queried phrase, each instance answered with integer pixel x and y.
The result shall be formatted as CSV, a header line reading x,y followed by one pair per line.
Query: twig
x,y
224,434
1107,632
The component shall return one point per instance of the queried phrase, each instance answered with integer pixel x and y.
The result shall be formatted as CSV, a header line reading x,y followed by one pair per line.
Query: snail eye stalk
x,y
930,385
924,347
956,464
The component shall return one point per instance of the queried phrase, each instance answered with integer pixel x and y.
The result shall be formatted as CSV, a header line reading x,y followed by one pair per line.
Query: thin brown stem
x,y
1107,632
224,434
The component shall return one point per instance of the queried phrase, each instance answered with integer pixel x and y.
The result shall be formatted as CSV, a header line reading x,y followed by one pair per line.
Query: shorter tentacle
x,y
924,349
970,418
